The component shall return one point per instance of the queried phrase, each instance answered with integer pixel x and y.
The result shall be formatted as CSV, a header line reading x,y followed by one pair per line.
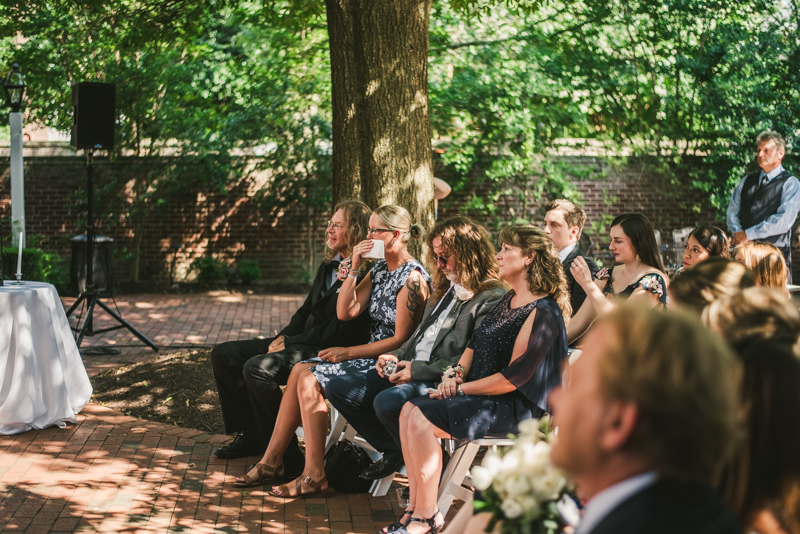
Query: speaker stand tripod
x,y
91,294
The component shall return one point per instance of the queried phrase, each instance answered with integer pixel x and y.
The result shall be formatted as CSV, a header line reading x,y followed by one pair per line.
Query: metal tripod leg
x,y
128,325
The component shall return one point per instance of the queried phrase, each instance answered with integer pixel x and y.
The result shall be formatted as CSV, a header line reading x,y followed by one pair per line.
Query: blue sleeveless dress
x,y
382,308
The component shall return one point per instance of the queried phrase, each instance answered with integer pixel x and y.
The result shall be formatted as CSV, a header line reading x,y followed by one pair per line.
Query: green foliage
x,y
249,271
209,269
37,265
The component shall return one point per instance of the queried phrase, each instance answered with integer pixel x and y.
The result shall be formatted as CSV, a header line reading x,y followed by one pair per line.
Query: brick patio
x,y
114,473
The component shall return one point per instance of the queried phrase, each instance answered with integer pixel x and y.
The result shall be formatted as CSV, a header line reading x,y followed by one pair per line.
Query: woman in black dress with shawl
x,y
512,362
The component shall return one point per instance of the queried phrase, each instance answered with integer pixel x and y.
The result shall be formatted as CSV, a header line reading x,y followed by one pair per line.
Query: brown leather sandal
x,y
264,473
283,490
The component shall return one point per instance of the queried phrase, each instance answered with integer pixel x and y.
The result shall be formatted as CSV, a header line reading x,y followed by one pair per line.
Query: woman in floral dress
x,y
639,274
394,294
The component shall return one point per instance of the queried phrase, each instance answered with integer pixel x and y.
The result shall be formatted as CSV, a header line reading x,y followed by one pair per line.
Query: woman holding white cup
x,y
394,294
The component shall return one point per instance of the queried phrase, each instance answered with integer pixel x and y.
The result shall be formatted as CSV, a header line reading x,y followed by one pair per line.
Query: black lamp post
x,y
14,86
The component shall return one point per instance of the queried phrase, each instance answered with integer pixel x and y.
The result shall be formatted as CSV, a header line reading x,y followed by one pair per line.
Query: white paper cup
x,y
376,251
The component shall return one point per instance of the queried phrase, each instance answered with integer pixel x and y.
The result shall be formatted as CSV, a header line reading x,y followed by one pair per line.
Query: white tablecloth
x,y
42,378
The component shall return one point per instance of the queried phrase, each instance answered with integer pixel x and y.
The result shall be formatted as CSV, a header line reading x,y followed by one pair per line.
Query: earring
x,y
638,258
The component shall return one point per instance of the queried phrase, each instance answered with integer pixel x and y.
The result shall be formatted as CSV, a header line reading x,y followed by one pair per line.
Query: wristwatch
x,y
460,391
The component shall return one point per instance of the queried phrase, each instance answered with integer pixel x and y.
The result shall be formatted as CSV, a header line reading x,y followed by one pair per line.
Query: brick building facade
x,y
231,226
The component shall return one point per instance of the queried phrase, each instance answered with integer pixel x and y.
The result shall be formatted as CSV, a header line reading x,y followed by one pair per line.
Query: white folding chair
x,y
451,484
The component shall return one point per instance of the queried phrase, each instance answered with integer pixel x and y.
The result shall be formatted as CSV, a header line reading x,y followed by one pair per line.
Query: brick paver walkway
x,y
113,473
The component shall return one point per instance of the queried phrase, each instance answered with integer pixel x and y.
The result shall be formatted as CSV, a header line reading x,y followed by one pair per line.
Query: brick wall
x,y
231,226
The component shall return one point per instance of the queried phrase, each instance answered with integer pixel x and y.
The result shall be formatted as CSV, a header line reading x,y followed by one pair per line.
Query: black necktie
x,y
764,180
446,300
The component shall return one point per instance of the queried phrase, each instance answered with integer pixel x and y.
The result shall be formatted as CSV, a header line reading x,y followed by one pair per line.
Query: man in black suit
x,y
249,373
645,418
564,224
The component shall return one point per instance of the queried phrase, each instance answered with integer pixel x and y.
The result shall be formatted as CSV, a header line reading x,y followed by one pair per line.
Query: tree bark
x,y
381,120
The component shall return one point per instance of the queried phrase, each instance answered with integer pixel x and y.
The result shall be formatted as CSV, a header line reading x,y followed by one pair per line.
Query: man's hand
x,y
277,344
335,354
403,373
740,237
382,359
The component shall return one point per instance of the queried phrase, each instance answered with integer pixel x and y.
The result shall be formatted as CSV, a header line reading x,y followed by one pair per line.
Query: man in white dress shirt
x,y
645,418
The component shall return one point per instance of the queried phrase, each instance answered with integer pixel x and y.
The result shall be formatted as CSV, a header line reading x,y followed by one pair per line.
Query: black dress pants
x,y
248,381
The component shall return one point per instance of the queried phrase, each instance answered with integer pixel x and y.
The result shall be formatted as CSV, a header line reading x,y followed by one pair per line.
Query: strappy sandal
x,y
397,524
308,481
264,473
432,527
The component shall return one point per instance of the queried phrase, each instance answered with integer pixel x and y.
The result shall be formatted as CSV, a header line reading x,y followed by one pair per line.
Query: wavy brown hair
x,y
469,243
356,216
546,273
713,240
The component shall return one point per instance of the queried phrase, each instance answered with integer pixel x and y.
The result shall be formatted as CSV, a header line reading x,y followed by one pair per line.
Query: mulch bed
x,y
176,388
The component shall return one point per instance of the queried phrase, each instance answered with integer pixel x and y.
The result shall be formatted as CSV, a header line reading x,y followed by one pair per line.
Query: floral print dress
x,y
652,282
386,285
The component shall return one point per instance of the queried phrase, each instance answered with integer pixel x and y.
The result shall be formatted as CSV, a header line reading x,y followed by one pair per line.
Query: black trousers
x,y
787,255
249,380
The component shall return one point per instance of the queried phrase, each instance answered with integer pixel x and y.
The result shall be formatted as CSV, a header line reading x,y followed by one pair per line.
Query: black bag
x,y
344,462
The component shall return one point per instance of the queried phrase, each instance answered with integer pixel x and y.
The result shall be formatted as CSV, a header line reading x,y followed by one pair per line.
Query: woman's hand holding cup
x,y
358,253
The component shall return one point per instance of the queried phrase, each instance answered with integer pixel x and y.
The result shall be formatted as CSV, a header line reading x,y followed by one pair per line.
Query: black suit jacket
x,y
576,293
315,323
671,507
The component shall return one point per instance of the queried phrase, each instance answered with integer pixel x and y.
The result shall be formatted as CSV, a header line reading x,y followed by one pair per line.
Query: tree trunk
x,y
381,120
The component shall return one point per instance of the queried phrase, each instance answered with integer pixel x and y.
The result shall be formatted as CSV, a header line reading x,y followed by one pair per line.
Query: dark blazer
x,y
671,507
576,293
452,339
315,322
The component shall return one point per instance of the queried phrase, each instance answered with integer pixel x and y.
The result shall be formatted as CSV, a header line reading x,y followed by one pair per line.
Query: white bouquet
x,y
522,488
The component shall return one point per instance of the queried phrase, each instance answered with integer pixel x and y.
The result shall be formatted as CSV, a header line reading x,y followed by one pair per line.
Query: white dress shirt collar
x,y
610,498
563,253
771,174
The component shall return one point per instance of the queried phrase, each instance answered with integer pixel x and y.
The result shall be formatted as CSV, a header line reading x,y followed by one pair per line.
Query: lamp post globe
x,y
14,87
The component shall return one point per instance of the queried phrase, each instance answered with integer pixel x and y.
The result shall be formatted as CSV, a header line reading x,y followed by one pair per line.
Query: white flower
x,y
569,510
529,428
515,486
481,477
530,504
548,483
462,293
512,509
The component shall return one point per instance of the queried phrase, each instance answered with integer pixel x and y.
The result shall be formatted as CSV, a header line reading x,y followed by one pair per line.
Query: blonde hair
x,y
471,247
757,312
356,221
683,381
399,219
545,273
709,280
766,261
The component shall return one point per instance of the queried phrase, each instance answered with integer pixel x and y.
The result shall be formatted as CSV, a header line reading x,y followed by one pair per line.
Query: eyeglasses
x,y
378,230
334,225
444,259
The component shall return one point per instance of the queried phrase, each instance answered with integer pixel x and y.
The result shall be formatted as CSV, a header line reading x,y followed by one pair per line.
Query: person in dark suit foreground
x,y
249,373
564,224
645,419
463,257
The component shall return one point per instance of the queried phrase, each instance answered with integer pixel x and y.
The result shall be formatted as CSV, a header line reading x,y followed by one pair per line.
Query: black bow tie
x,y
335,264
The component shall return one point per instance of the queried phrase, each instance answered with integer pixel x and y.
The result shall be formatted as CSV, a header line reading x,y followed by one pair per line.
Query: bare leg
x,y
314,414
411,463
287,421
427,454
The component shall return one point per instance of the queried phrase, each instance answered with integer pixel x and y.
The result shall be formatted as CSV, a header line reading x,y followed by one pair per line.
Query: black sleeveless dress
x,y
534,373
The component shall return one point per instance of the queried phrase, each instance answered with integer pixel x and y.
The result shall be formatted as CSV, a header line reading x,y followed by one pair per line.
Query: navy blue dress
x,y
534,373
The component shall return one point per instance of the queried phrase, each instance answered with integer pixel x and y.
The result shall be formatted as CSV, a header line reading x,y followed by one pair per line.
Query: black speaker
x,y
93,118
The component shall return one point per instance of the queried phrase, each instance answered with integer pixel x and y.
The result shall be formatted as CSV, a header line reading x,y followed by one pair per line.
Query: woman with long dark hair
x,y
705,242
639,273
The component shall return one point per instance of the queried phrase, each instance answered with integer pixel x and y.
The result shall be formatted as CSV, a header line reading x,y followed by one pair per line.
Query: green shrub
x,y
209,269
249,271
38,265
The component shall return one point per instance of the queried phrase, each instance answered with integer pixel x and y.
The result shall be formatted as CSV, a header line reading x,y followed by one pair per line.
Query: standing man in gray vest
x,y
765,204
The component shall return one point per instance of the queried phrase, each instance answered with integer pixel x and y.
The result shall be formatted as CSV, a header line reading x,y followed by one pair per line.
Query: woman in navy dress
x,y
394,294
638,275
512,362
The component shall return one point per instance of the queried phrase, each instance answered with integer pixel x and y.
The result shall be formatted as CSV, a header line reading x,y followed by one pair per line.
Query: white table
x,y
42,378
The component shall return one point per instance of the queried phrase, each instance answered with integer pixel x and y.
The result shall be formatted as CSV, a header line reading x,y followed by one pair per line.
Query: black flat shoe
x,y
243,446
382,468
